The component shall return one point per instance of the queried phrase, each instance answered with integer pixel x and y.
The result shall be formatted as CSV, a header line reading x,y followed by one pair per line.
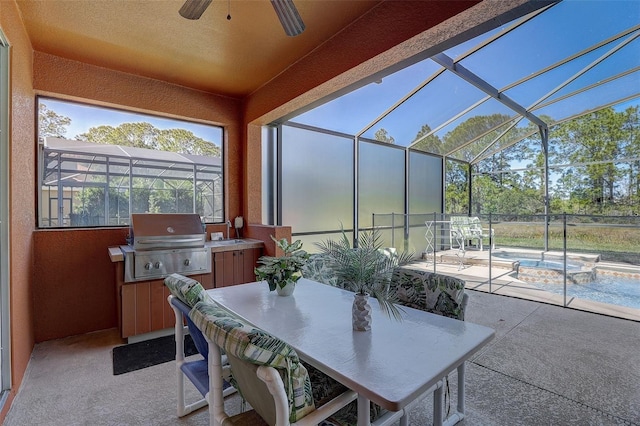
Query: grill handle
x,y
171,241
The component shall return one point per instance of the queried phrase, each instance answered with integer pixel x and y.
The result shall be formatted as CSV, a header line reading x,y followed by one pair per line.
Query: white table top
x,y
391,365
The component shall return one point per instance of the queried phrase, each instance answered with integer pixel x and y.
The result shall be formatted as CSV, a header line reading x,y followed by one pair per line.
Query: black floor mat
x,y
134,356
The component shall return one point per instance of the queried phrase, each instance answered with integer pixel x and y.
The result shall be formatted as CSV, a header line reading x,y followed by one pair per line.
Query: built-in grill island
x,y
163,244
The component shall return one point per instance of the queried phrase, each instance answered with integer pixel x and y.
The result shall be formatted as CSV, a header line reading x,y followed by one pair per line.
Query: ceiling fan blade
x,y
193,9
289,17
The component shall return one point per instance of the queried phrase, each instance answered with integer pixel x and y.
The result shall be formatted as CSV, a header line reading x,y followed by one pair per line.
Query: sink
x,y
228,242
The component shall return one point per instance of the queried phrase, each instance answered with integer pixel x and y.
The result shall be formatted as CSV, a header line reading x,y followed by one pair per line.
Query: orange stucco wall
x,y
22,195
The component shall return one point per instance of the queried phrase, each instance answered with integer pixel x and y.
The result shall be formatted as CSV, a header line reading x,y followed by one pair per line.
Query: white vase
x,y
287,290
361,312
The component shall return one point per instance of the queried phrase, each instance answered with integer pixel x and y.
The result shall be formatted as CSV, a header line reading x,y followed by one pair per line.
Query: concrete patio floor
x,y
547,366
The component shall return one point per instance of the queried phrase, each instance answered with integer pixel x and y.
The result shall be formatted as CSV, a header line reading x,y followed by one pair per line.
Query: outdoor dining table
x,y
392,364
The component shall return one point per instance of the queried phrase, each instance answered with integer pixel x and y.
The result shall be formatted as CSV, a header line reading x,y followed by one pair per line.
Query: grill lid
x,y
166,231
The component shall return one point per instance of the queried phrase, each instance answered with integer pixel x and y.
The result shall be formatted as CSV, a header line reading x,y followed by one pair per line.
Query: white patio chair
x,y
260,384
196,370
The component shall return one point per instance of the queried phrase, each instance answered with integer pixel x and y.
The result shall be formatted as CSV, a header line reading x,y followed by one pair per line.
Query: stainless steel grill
x,y
162,244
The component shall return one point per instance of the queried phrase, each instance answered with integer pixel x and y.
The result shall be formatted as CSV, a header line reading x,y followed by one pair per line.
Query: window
x,y
98,165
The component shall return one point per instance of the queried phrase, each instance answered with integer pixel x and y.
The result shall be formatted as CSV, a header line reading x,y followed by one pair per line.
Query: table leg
x,y
404,420
458,416
363,411
461,394
437,406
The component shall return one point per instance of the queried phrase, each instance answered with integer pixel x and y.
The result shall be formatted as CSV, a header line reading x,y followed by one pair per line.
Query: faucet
x,y
228,227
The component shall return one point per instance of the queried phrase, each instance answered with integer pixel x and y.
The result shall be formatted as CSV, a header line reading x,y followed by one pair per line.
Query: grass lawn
x,y
614,244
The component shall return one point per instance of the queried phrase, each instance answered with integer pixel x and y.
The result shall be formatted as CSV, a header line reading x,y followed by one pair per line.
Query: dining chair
x,y
265,370
441,295
185,293
432,292
195,369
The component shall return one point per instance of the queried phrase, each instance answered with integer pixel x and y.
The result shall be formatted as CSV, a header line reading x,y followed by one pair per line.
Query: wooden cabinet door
x,y
249,262
136,308
224,269
145,308
238,267
206,280
128,310
235,266
161,314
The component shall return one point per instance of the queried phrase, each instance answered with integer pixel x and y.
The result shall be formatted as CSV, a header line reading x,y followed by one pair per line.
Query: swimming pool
x,y
605,289
583,281
537,260
548,264
551,270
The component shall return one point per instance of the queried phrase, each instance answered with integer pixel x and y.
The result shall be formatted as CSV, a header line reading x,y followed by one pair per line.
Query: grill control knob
x,y
158,265
187,262
148,266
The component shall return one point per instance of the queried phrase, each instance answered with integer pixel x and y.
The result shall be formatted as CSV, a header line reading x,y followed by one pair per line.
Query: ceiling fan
x,y
285,9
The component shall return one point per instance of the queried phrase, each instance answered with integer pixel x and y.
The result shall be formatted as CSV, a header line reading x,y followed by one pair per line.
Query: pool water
x,y
605,289
547,264
537,262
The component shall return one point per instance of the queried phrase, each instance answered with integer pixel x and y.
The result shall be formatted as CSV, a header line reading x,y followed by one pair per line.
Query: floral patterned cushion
x,y
186,289
317,269
415,288
251,344
431,292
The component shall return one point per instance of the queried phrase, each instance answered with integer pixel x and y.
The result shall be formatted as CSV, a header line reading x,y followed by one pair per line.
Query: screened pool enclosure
x,y
87,184
538,116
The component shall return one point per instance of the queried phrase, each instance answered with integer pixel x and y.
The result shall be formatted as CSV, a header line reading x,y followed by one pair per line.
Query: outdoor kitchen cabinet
x,y
144,307
234,266
142,304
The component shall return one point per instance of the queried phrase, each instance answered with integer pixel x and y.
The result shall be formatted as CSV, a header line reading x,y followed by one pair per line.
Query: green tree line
x,y
138,135
149,195
594,164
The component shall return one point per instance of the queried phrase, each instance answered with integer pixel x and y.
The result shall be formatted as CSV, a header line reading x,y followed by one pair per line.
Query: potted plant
x,y
367,270
282,273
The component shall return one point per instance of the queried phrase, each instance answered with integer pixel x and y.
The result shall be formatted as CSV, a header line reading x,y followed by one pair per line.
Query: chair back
x,y
196,335
462,225
249,350
431,292
252,389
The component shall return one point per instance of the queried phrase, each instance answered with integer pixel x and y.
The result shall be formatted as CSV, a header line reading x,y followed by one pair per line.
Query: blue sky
x,y
565,29
84,117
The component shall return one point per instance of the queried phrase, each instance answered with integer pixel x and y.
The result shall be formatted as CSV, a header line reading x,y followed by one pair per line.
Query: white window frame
x,y
5,338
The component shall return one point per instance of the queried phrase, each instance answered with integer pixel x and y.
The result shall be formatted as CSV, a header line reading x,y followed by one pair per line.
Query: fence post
x,y
393,229
564,263
490,253
407,228
435,233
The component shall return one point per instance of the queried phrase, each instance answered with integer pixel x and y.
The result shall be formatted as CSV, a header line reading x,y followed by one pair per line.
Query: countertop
x,y
233,244
116,254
